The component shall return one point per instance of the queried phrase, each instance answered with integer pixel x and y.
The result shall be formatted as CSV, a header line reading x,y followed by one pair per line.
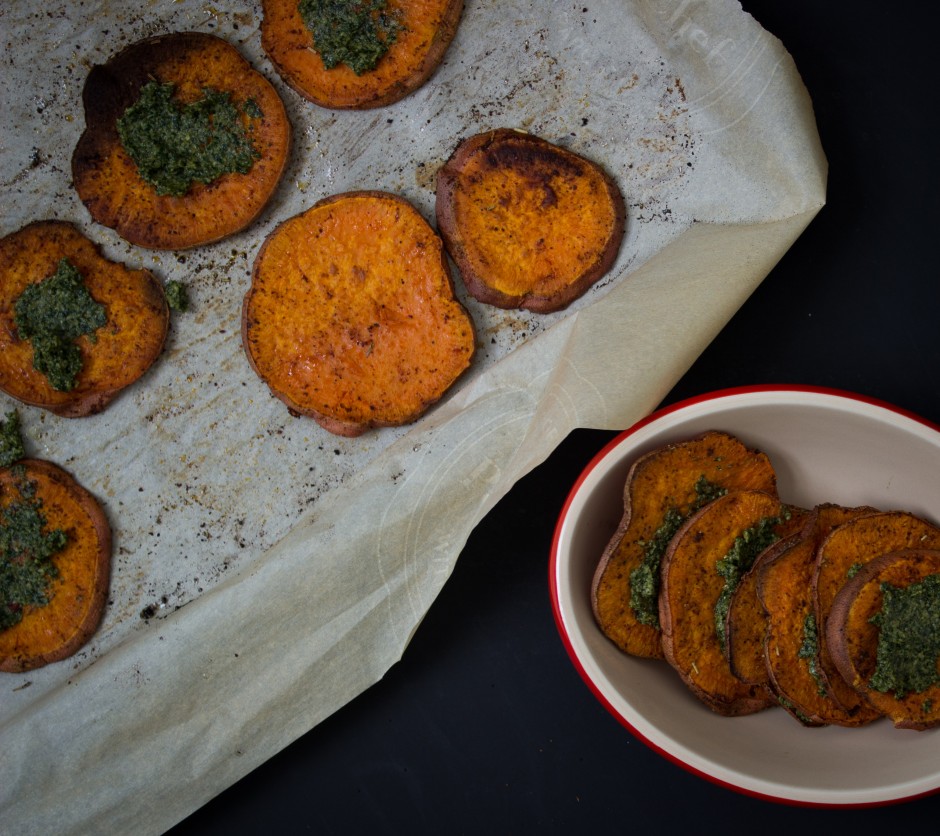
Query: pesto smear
x,y
644,579
26,551
732,567
176,296
11,442
356,33
809,650
909,638
175,145
52,314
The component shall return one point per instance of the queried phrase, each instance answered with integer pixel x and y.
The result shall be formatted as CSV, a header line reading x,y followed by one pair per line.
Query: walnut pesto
x,y
11,441
356,33
175,145
26,552
177,296
52,314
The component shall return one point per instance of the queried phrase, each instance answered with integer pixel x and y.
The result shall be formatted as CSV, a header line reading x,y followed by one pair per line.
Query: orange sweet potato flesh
x,y
124,348
428,27
659,481
107,179
691,586
78,594
851,544
785,590
853,639
530,224
351,317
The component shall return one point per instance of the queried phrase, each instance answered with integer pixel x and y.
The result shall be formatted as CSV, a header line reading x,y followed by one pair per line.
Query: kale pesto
x,y
644,579
175,145
52,314
11,441
809,650
26,551
909,638
732,567
356,33
176,296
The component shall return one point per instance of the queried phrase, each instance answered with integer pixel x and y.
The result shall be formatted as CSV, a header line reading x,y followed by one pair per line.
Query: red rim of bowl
x,y
554,592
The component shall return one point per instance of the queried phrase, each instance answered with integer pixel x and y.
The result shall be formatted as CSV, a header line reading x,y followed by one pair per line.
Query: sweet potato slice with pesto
x,y
55,565
884,635
791,643
184,142
351,317
662,489
75,327
846,548
700,570
352,54
530,224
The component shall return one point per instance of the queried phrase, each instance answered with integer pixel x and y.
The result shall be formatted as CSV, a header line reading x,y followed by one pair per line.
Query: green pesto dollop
x,y
809,650
26,551
177,296
356,33
11,440
732,567
909,638
52,314
175,145
644,579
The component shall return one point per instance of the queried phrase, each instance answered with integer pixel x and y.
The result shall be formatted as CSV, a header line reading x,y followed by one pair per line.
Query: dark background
x,y
485,724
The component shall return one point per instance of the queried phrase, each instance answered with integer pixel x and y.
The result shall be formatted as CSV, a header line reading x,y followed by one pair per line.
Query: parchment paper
x,y
266,572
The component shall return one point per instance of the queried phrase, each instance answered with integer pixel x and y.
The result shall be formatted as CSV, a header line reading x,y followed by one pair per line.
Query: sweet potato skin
x,y
79,593
691,587
529,224
857,542
130,342
662,479
351,317
784,587
853,639
107,179
429,28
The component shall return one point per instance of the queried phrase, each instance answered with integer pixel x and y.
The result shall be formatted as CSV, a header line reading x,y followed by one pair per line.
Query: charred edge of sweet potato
x,y
536,165
853,639
353,356
125,348
107,180
77,605
855,543
655,482
406,67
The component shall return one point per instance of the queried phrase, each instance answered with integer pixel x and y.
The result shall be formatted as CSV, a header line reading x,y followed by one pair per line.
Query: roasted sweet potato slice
x,y
663,488
422,33
530,224
109,181
351,317
847,547
884,635
790,646
700,569
115,355
78,587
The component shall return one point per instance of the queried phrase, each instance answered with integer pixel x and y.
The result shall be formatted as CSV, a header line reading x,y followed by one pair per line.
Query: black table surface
x,y
484,723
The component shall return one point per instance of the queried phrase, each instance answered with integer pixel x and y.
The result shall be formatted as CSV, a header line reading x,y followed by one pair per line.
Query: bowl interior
x,y
826,447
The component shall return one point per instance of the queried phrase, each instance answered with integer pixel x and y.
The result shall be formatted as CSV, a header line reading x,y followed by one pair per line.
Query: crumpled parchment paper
x,y
266,572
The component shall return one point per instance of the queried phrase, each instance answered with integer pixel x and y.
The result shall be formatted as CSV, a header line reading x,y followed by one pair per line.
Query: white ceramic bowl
x,y
826,446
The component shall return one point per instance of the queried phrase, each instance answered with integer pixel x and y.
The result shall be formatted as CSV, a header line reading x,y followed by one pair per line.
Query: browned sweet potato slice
x,y
351,317
859,646
659,494
109,182
704,560
122,350
746,621
426,30
56,630
790,648
530,224
849,545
